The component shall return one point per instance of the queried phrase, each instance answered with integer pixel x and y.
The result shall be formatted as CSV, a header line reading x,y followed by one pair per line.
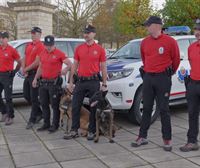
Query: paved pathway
x,y
30,149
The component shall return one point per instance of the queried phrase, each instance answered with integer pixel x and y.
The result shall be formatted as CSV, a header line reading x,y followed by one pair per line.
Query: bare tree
x,y
72,15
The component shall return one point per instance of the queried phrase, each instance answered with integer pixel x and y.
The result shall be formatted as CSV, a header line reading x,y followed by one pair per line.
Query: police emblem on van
x,y
161,50
182,73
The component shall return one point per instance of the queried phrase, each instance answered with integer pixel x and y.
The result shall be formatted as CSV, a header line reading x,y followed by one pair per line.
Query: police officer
x,y
29,69
89,60
193,92
7,57
160,57
50,71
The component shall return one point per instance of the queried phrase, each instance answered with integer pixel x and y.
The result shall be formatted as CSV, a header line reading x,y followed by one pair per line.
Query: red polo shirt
x,y
51,63
7,57
32,50
159,53
89,58
194,59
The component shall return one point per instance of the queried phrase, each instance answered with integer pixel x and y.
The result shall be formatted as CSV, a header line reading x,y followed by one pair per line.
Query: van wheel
x,y
136,111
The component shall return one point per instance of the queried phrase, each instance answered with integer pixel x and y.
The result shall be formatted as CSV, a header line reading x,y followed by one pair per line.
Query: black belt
x,y
88,78
195,81
48,81
6,73
156,73
56,81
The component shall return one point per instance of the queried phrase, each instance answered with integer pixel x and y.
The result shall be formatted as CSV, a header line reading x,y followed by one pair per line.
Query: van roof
x,y
56,39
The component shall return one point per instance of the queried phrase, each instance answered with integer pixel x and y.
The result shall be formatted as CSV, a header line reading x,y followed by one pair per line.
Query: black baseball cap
x,y
89,28
197,24
36,29
49,40
153,20
4,34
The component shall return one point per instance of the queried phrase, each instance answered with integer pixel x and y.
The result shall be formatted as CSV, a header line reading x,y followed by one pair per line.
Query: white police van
x,y
67,45
125,83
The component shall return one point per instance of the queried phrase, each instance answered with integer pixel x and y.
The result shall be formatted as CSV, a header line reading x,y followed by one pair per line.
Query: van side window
x,y
72,46
193,40
61,45
183,48
21,49
128,51
136,49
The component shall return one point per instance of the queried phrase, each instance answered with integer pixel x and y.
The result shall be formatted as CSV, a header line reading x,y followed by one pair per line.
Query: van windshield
x,y
129,51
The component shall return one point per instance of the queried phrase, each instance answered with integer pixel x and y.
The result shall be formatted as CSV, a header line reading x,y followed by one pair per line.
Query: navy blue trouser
x,y
156,87
6,84
81,89
193,102
50,94
31,94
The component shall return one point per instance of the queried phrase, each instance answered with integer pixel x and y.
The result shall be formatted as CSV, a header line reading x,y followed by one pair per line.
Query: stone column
x,y
33,13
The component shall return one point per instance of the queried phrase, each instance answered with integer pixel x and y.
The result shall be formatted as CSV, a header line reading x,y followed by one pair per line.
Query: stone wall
x,y
8,21
27,20
30,14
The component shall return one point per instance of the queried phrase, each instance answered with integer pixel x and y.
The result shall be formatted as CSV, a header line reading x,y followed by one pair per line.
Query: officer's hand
x,y
64,71
24,73
70,87
24,70
34,83
104,88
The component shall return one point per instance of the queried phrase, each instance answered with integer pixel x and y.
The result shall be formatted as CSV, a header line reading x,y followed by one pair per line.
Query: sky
x,y
158,3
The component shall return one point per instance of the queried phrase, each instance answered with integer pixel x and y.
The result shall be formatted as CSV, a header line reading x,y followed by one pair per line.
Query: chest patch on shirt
x,y
54,56
95,52
161,50
5,54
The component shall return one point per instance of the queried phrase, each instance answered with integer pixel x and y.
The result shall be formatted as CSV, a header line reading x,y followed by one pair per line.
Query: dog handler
x,y
7,57
160,57
89,60
50,71
29,68
193,92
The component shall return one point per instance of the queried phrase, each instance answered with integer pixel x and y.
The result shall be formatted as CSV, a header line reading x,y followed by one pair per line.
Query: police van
x,y
67,45
125,82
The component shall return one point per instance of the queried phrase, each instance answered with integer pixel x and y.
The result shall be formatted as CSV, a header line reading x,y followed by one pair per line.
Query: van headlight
x,y
119,74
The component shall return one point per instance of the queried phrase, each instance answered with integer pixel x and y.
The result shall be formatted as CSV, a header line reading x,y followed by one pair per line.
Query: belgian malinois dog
x,y
66,109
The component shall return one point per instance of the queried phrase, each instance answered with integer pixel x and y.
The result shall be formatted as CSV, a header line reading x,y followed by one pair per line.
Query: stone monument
x,y
32,13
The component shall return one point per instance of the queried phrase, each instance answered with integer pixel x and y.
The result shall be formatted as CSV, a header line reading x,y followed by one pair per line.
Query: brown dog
x,y
66,109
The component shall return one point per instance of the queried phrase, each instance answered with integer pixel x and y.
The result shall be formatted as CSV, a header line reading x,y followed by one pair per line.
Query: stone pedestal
x,y
33,13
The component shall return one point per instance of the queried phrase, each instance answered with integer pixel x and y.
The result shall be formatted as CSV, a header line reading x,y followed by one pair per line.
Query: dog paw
x,y
111,141
96,140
